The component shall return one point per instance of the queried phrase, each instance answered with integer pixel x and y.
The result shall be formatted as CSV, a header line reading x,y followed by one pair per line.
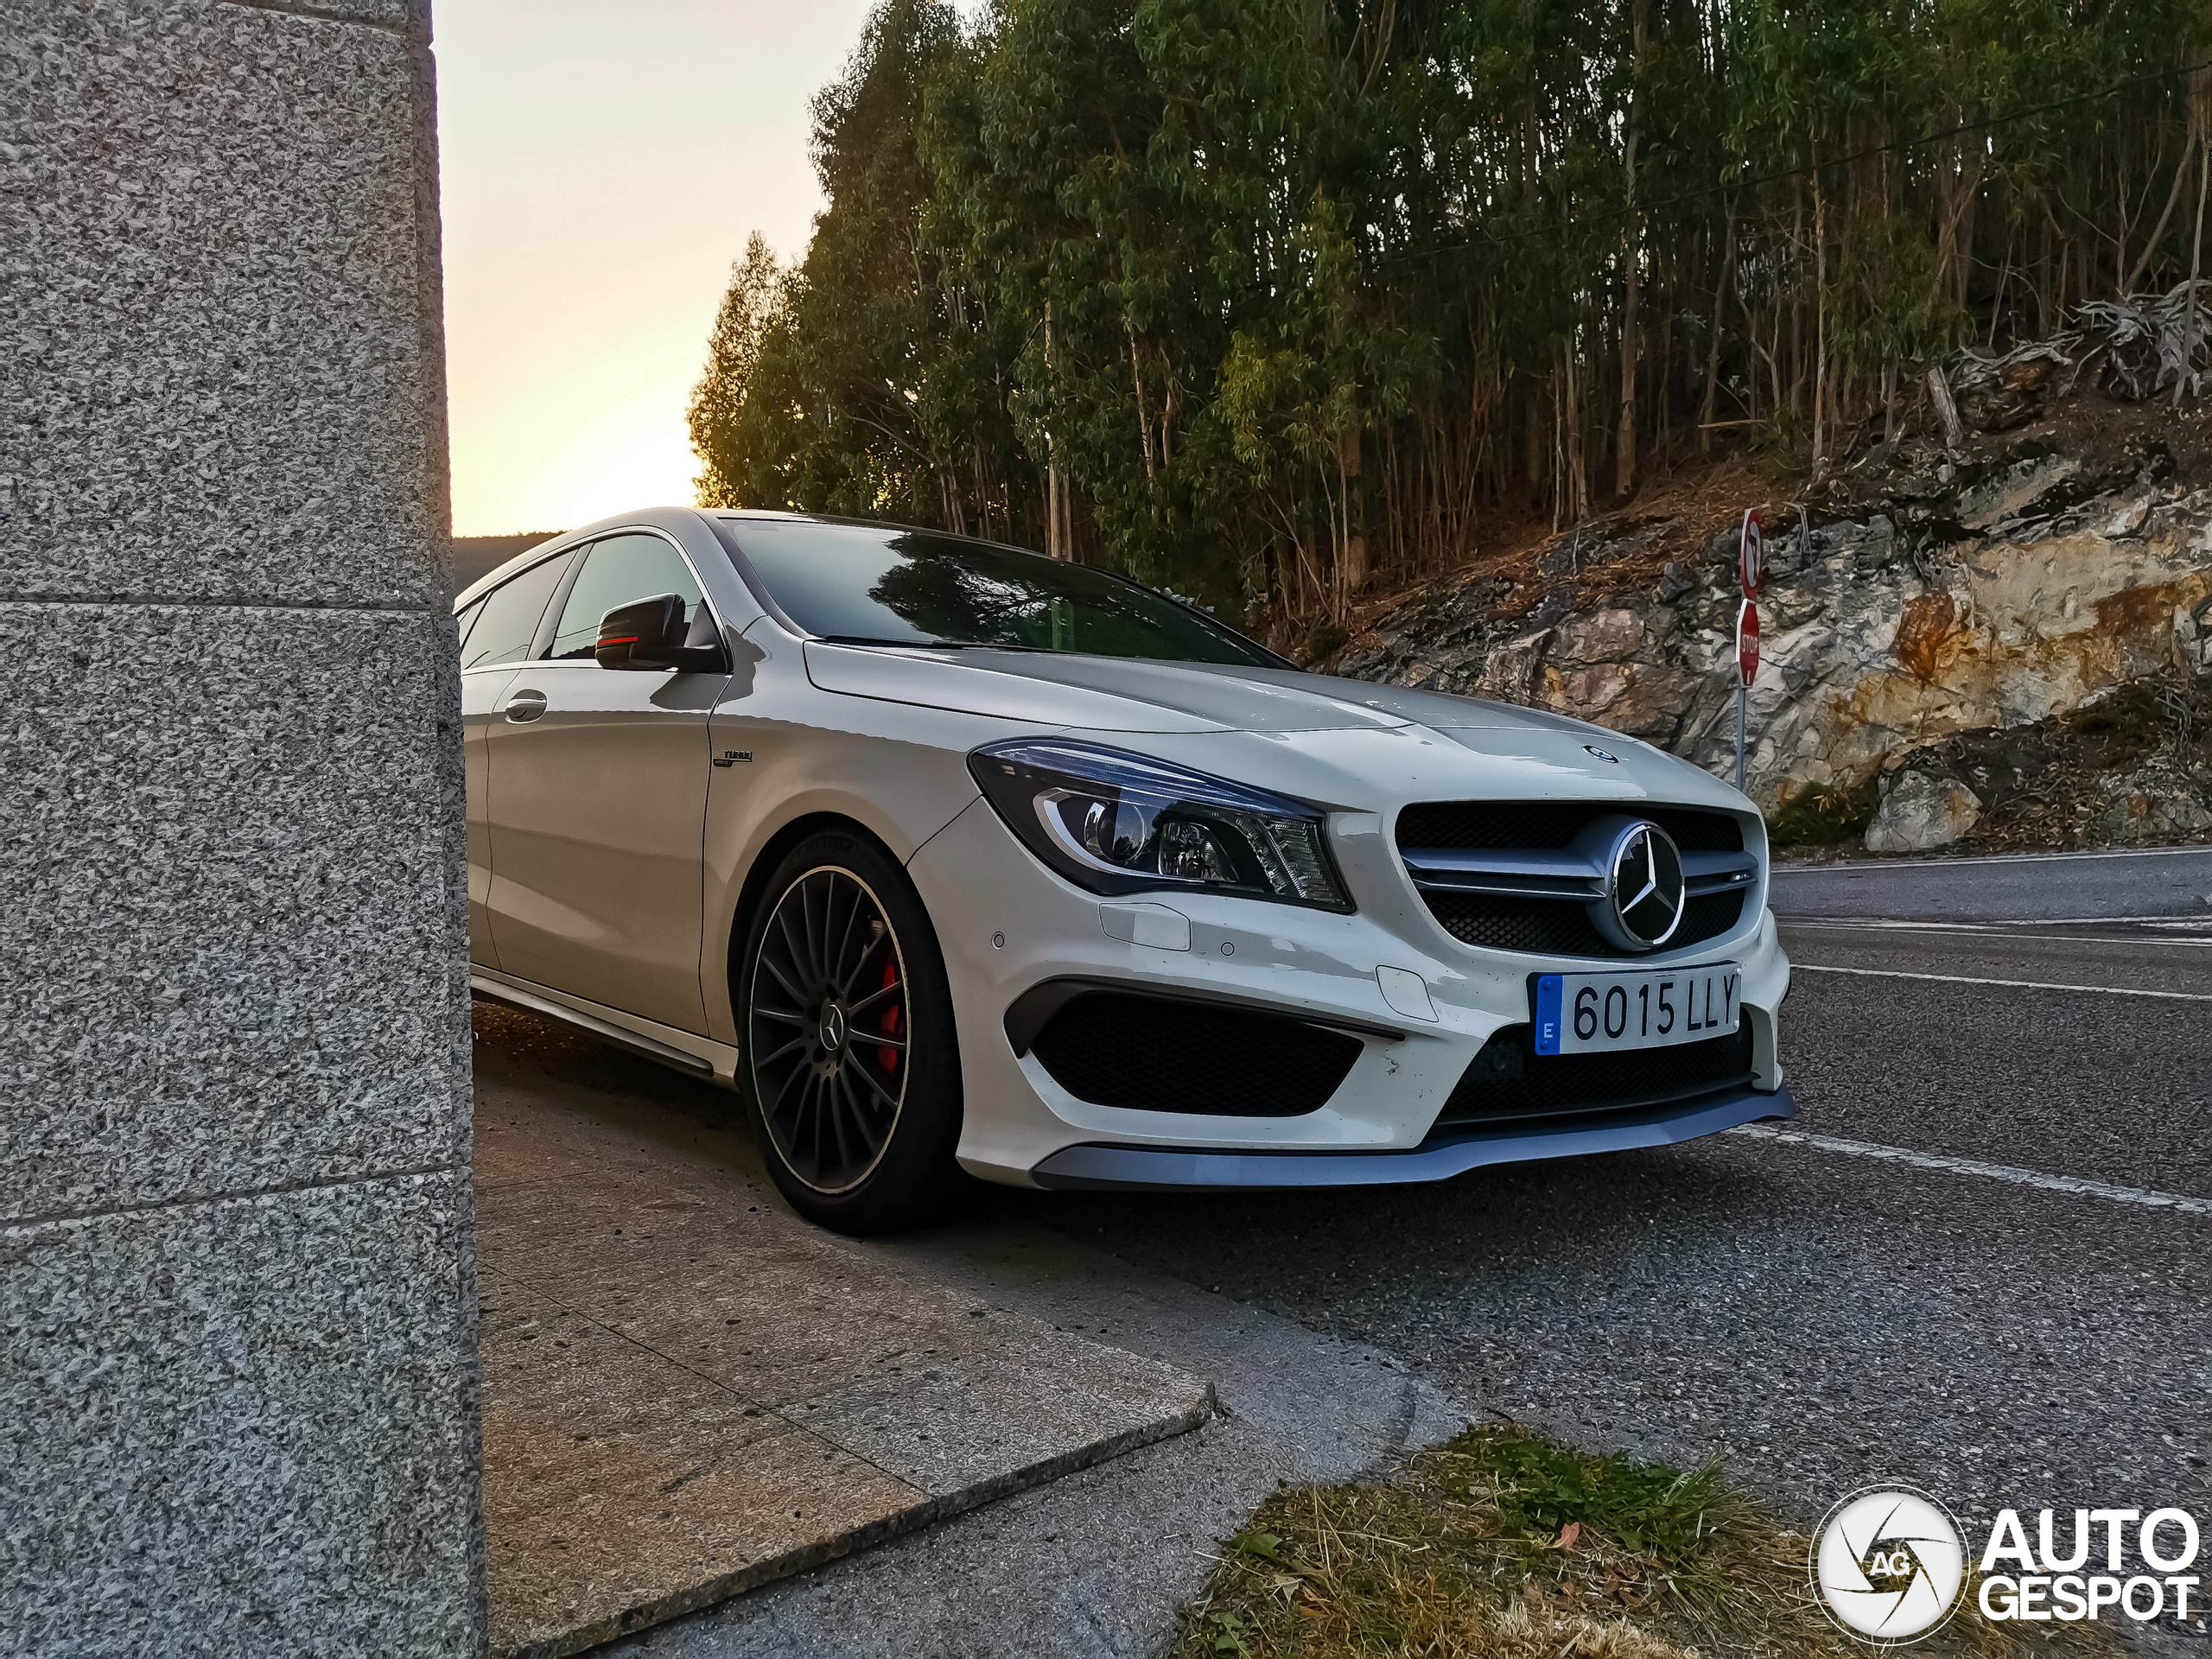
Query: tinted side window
x,y
617,571
466,620
508,622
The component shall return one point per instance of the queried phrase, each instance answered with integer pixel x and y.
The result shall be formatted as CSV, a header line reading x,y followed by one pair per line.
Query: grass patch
x,y
1819,815
1504,1544
2129,722
1323,640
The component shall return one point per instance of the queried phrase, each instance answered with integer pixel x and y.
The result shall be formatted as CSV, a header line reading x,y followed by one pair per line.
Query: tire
x,y
858,1134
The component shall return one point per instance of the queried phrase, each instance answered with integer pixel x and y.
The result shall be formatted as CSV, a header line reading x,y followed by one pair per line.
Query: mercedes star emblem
x,y
1644,893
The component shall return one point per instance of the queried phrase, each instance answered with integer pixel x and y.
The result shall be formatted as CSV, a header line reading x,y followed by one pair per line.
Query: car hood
x,y
1109,694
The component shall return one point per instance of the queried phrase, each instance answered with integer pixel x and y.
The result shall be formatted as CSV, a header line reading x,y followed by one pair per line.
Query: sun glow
x,y
600,170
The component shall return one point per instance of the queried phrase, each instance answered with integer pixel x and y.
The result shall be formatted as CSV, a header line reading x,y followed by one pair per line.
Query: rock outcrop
x,y
1929,593
1921,812
2153,803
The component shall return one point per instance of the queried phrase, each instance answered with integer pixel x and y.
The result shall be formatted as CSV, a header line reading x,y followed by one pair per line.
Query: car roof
x,y
658,516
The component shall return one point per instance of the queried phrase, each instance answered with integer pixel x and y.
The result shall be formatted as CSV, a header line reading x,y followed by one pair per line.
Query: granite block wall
x,y
238,1386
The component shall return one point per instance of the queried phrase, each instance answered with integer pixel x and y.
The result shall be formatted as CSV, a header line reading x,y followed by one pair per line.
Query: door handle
x,y
523,705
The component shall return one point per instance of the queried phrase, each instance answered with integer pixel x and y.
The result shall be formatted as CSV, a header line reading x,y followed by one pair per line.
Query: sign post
x,y
1751,570
1747,670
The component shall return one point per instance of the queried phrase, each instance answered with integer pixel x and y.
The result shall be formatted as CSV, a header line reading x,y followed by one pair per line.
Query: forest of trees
x,y
1266,300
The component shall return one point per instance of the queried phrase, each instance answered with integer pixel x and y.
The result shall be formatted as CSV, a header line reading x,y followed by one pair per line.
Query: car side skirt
x,y
1143,1168
681,1050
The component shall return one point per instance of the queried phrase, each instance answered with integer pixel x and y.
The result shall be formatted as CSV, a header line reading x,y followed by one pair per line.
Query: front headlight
x,y
1115,821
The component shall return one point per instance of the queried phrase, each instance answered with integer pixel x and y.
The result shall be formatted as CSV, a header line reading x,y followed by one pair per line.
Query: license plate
x,y
1595,1013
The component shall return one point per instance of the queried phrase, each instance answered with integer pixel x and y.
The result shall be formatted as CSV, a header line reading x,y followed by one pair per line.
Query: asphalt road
x,y
2164,881
1967,1268
1828,1316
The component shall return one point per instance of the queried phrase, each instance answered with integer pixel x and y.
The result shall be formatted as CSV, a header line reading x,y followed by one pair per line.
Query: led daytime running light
x,y
1115,821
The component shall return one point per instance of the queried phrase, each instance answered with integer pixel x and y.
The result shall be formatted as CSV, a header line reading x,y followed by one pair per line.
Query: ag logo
x,y
1888,1564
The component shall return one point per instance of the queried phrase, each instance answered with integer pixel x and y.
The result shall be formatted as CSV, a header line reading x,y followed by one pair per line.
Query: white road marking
x,y
1970,931
1975,1167
1902,924
1860,867
2017,984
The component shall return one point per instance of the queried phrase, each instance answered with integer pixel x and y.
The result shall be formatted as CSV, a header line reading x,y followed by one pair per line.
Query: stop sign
x,y
1750,559
1747,642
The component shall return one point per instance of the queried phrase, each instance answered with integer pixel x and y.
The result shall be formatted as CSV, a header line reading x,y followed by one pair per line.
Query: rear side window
x,y
508,620
465,621
619,571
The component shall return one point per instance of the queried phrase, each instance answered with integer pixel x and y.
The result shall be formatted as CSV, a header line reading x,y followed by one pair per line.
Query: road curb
x,y
690,1599
689,1394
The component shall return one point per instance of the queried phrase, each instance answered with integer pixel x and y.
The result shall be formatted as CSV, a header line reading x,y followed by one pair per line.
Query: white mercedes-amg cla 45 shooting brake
x,y
949,856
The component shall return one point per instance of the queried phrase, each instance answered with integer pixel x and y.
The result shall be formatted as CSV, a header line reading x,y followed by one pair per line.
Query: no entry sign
x,y
1751,558
1747,643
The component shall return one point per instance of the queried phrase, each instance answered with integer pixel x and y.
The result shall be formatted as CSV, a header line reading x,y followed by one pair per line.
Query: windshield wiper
x,y
901,645
925,645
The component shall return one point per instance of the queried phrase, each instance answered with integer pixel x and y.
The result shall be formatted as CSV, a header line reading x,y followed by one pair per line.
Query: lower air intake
x,y
1508,1079
1155,1054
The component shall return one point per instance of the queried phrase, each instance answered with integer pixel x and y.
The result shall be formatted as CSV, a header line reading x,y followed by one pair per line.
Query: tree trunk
x,y
1352,538
1797,303
2199,88
2187,374
1939,392
1624,436
1820,320
1167,413
1535,419
1724,282
1053,543
1631,274
1575,480
1144,424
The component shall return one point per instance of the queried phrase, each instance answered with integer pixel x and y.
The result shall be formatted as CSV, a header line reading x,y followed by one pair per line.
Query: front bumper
x,y
1006,926
1151,1169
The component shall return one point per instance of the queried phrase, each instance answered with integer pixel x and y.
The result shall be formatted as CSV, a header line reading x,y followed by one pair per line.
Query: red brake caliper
x,y
888,1057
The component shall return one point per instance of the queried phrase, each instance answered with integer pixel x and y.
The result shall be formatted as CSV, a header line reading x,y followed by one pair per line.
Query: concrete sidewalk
x,y
688,1392
1094,1565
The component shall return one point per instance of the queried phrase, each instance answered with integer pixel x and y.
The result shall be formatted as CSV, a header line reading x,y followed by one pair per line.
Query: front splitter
x,y
1140,1168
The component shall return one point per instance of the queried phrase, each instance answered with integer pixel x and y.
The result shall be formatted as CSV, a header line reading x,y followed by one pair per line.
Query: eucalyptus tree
x,y
1273,300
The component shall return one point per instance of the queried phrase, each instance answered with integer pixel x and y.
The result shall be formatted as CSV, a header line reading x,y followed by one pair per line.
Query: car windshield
x,y
877,585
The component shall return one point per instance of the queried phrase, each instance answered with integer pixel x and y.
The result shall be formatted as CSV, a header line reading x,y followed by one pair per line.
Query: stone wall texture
x,y
237,1372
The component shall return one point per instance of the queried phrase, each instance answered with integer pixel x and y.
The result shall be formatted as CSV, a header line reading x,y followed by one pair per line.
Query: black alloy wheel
x,y
829,1025
857,1109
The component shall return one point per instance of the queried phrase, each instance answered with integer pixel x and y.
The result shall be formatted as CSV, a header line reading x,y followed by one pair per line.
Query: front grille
x,y
1155,1054
1548,826
1550,926
1508,1079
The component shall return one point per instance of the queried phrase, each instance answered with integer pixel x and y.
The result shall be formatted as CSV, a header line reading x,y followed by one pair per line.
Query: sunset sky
x,y
602,165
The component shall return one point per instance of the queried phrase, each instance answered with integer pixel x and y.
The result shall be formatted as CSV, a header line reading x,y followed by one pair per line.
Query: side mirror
x,y
640,634
649,634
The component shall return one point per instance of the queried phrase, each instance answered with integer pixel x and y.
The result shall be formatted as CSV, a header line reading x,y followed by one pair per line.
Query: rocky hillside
x,y
2050,551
